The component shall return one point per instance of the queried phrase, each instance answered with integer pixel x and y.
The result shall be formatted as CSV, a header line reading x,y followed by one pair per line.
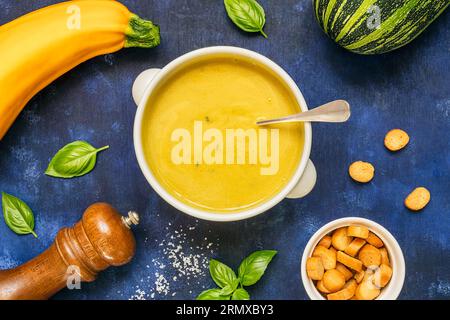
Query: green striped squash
x,y
376,26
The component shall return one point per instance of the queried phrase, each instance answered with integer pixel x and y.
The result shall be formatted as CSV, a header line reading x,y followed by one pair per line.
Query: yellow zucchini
x,y
39,47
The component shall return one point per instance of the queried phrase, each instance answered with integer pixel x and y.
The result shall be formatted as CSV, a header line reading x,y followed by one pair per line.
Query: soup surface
x,y
201,140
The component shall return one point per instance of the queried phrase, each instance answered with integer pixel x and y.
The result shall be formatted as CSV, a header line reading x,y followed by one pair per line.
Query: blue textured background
x,y
409,88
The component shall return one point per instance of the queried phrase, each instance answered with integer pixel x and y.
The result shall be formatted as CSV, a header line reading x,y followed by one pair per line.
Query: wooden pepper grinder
x,y
102,238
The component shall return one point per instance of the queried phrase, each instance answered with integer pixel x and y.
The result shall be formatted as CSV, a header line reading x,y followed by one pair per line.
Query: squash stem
x,y
141,33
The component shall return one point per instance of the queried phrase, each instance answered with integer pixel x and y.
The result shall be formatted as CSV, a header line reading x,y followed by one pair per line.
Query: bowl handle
x,y
142,82
306,183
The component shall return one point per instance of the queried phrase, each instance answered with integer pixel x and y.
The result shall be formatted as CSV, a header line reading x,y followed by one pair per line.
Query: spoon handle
x,y
335,111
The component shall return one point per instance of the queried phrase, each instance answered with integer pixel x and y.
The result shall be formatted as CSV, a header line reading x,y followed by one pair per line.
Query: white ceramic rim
x,y
395,285
203,214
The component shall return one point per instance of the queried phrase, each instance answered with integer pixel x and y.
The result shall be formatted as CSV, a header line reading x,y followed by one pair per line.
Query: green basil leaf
x,y
221,273
254,266
18,216
247,15
74,160
229,288
212,294
240,294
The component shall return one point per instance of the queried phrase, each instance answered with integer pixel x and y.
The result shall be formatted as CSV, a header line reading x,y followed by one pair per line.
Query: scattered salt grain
x,y
177,261
138,295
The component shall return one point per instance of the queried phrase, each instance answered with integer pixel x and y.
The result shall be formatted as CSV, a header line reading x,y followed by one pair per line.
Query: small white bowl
x,y
393,288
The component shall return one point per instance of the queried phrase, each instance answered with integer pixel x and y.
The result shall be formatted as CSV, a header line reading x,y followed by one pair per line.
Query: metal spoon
x,y
335,111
